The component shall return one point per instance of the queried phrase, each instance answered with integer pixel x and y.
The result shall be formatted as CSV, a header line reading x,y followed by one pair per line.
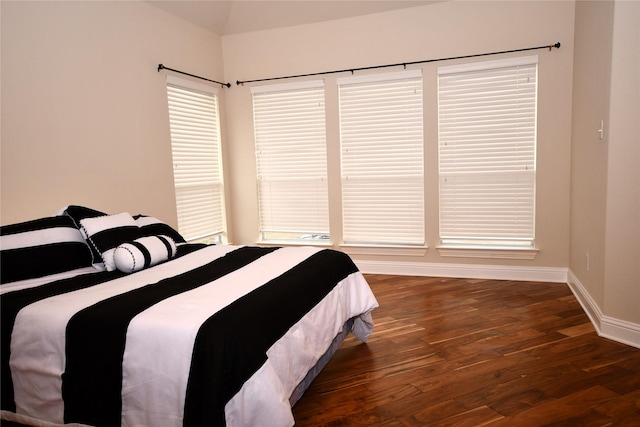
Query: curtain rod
x,y
162,67
404,64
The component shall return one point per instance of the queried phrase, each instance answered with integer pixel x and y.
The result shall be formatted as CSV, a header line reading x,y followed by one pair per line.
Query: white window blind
x,y
487,152
197,165
381,139
291,157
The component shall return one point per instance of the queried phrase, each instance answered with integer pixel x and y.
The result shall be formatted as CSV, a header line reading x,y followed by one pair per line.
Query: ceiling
x,y
225,17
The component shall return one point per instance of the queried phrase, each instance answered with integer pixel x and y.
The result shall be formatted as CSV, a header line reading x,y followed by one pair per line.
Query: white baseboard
x,y
606,326
618,330
588,304
621,331
464,271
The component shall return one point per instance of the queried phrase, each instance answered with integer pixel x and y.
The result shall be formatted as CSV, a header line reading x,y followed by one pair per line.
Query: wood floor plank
x,y
439,412
457,352
475,417
574,409
574,331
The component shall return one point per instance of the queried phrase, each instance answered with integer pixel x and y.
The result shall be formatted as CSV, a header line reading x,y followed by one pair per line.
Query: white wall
x,y
434,31
605,188
84,110
589,153
622,242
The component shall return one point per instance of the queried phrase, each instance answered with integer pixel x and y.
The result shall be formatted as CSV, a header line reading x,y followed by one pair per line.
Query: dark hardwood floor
x,y
458,352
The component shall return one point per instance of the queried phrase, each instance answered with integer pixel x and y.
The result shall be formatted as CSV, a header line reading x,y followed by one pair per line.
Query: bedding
x,y
31,249
216,335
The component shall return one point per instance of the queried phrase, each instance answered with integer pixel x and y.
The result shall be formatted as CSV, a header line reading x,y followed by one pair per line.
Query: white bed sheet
x,y
30,283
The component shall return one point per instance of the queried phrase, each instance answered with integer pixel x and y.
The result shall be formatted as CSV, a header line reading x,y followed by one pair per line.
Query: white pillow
x,y
105,233
143,252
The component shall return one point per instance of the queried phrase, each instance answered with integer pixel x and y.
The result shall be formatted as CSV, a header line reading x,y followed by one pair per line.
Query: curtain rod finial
x,y
160,67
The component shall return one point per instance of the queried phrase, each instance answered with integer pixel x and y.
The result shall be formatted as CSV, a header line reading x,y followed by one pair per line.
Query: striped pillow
x,y
41,247
78,213
150,226
143,252
106,233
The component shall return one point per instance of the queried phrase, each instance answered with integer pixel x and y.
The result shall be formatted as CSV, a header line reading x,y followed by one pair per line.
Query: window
x,y
487,153
382,158
291,157
197,165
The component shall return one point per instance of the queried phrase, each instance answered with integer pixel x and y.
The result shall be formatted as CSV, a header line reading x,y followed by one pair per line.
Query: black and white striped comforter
x,y
222,334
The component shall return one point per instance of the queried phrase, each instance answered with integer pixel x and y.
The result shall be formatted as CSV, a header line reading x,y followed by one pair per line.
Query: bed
x,y
112,320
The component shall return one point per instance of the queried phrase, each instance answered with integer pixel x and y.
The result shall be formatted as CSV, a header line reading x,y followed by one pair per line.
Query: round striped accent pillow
x,y
143,252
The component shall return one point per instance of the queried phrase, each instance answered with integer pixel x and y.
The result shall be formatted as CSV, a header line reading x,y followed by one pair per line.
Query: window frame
x,y
452,242
189,132
400,238
297,180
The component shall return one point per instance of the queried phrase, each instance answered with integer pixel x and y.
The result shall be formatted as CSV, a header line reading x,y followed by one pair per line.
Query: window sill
x,y
488,252
398,250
